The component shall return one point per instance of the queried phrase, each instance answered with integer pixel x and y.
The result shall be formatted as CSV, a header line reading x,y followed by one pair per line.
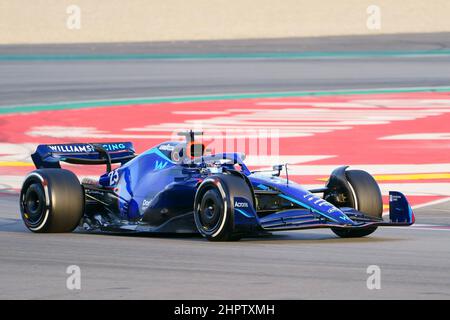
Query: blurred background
x,y
44,21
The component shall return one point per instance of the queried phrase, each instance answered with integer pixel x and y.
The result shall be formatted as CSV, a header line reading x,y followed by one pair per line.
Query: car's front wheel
x,y
367,199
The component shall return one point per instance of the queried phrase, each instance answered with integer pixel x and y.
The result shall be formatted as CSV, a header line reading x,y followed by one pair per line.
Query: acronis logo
x,y
240,204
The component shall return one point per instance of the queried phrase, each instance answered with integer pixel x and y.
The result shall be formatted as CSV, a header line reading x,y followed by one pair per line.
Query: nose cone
x,y
322,207
334,214
326,209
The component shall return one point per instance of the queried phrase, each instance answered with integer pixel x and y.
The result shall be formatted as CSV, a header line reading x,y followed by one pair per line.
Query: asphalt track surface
x,y
30,80
414,262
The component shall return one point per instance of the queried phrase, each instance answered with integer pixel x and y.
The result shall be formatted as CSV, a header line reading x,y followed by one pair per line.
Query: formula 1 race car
x,y
175,187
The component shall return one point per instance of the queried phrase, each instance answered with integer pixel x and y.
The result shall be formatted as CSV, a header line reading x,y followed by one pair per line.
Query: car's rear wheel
x,y
367,199
51,201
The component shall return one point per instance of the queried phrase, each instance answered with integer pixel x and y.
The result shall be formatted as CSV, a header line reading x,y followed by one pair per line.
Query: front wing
x,y
400,214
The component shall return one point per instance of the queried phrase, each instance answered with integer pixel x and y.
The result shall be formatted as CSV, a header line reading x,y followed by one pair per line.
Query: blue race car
x,y
175,187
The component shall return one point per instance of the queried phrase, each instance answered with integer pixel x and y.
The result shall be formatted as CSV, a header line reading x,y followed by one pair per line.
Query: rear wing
x,y
50,155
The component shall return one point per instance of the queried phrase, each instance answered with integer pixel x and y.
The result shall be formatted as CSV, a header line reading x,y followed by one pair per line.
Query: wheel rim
x,y
210,212
34,204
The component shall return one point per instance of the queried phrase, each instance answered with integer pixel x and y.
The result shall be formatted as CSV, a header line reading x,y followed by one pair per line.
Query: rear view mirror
x,y
278,168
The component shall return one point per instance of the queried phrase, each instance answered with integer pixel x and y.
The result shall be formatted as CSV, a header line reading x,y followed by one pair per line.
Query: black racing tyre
x,y
367,198
51,201
213,206
212,213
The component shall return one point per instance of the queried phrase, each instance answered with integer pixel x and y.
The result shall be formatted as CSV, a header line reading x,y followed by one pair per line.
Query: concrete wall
x,y
45,21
